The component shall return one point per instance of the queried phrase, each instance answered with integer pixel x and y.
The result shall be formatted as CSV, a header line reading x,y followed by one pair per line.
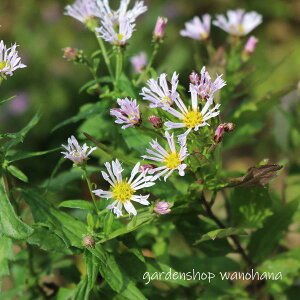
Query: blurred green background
x,y
51,84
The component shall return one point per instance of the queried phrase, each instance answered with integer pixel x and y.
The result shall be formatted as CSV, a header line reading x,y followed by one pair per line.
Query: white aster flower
x,y
116,35
159,93
197,29
204,85
9,59
128,113
82,10
123,191
238,23
191,117
171,159
75,152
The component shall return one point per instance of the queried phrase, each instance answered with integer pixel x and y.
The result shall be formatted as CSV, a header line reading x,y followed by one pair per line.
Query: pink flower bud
x,y
89,242
219,133
155,121
147,167
160,27
162,208
250,45
70,53
228,127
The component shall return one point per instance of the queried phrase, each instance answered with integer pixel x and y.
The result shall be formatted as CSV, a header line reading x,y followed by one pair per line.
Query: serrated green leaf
x,y
10,224
13,170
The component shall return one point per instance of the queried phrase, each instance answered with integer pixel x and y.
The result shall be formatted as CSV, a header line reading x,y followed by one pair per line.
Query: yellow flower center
x,y
120,37
240,29
134,118
204,35
166,100
172,160
122,191
192,119
2,65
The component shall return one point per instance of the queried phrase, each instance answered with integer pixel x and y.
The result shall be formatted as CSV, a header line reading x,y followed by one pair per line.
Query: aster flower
x,y
160,27
83,10
204,85
159,93
192,118
238,23
139,62
76,153
9,59
128,113
162,208
197,29
116,35
123,191
172,159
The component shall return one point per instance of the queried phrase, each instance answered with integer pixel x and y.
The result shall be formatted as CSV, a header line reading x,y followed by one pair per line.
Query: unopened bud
x,y
88,241
228,127
162,208
250,45
147,167
219,133
155,121
160,27
70,53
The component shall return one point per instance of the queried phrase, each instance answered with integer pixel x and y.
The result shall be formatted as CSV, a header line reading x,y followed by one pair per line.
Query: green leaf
x,y
92,269
19,136
77,204
23,155
220,233
6,100
17,173
82,292
264,240
69,229
108,221
6,254
10,224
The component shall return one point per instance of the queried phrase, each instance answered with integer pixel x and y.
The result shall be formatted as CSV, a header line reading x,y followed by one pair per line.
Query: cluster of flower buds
x,y
162,208
219,133
160,27
73,54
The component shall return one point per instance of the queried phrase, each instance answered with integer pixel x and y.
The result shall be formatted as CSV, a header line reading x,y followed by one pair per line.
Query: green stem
x,y
105,56
119,63
155,50
85,174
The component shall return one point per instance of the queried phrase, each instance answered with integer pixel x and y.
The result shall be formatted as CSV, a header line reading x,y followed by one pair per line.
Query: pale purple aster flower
x,y
204,85
9,59
192,118
128,113
250,45
160,27
159,93
162,208
171,159
123,190
76,153
82,10
239,23
139,62
116,35
105,12
197,29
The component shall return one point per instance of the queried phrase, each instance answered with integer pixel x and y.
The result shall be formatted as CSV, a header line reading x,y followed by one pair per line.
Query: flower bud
x,y
147,167
162,208
73,54
89,242
219,133
160,27
194,78
155,121
250,45
228,127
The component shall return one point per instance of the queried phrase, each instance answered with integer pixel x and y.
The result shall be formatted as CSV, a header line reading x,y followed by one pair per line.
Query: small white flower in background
x,y
238,22
9,59
104,11
203,84
82,10
139,62
160,27
123,191
77,154
171,159
128,113
116,35
197,29
159,93
192,118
